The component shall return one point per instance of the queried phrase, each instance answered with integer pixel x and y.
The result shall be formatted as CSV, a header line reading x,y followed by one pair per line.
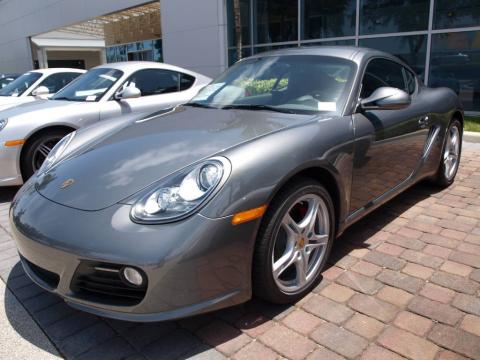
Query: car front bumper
x,y
192,266
9,164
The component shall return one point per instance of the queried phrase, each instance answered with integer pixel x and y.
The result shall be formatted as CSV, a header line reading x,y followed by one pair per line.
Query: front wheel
x,y
294,242
37,149
451,153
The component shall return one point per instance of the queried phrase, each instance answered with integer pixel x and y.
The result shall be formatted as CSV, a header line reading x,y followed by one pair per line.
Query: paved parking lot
x,y
404,282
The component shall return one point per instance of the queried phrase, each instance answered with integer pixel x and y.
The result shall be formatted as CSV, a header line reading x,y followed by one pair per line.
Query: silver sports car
x,y
28,132
243,190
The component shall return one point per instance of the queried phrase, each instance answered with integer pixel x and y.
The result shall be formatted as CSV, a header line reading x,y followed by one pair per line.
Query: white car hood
x,y
9,101
49,109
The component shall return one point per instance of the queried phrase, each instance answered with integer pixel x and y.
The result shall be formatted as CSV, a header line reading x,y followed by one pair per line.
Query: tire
x,y
297,199
34,153
446,173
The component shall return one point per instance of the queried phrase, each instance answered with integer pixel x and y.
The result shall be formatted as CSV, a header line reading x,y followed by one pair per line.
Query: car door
x,y
389,143
159,89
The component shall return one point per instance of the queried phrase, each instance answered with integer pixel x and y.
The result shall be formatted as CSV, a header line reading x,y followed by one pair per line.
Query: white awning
x,y
68,43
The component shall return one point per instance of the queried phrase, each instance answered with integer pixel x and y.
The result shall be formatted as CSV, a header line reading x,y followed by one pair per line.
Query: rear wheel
x,y
294,242
37,149
452,149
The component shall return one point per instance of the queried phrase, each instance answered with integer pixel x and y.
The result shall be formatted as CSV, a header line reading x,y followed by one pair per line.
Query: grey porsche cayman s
x,y
241,191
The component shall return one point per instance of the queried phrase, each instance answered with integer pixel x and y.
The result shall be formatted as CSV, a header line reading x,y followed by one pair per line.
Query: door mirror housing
x,y
41,92
386,98
130,92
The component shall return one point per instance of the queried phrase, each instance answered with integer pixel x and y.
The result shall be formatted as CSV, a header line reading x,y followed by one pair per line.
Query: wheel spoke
x,y
285,261
290,226
307,225
301,265
316,241
44,150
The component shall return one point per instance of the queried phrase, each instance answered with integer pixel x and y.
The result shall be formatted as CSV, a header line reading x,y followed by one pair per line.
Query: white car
x,y
36,84
29,131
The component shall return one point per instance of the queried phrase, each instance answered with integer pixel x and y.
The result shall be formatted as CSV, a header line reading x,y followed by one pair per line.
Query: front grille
x,y
103,283
49,278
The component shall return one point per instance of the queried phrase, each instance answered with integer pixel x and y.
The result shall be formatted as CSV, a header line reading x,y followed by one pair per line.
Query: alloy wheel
x,y
451,152
42,150
300,243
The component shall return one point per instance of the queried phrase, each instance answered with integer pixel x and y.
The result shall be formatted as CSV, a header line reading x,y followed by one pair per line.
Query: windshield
x,y
91,86
18,86
289,83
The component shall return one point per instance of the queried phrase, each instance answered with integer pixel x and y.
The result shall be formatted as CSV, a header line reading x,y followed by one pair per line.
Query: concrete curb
x,y
471,136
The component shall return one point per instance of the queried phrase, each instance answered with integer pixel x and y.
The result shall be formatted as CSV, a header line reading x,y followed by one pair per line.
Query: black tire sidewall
x,y
267,287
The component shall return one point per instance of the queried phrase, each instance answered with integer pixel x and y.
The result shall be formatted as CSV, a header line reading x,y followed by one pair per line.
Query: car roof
x,y
57,70
131,66
354,53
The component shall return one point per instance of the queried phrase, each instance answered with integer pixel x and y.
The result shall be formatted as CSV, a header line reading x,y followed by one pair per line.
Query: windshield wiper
x,y
196,104
65,98
258,107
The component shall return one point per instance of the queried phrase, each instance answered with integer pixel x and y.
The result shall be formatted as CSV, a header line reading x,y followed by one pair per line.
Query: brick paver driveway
x,y
405,282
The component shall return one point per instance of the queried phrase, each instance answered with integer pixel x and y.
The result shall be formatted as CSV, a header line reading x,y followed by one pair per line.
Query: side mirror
x,y
40,91
386,98
130,92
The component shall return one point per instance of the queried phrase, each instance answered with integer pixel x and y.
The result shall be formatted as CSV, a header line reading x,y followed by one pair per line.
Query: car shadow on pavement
x,y
7,193
78,334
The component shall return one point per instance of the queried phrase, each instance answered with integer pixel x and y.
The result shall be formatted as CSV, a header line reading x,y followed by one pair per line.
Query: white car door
x,y
159,89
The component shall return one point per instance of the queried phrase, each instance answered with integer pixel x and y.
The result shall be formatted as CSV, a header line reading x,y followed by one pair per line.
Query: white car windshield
x,y
283,83
91,86
18,86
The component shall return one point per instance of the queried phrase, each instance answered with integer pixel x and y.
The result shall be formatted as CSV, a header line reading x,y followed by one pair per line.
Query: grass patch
x,y
472,123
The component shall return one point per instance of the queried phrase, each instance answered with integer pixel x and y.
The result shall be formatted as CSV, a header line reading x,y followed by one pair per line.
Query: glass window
x,y
455,63
186,81
411,49
410,81
382,72
111,55
157,50
378,17
327,18
261,49
57,81
91,86
288,83
276,21
453,14
244,22
233,57
21,84
154,81
350,42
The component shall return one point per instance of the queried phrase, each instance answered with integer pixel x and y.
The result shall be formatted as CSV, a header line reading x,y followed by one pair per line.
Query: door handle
x,y
423,121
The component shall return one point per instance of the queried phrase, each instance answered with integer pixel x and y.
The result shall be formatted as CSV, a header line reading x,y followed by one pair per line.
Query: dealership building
x,y
439,39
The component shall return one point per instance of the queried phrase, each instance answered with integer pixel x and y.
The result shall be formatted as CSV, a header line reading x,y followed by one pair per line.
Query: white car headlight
x,y
55,155
180,194
3,123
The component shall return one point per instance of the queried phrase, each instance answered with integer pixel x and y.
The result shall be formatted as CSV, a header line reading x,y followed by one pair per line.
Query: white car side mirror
x,y
40,91
130,92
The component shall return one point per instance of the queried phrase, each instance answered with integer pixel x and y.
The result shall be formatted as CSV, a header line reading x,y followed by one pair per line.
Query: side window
x,y
382,72
57,81
186,81
154,81
410,81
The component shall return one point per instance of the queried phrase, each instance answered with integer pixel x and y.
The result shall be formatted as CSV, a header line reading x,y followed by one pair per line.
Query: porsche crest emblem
x,y
67,183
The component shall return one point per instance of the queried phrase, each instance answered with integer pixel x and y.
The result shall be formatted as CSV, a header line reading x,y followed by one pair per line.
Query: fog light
x,y
133,276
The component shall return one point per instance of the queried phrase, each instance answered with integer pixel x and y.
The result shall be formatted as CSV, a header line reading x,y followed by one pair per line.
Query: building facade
x,y
439,39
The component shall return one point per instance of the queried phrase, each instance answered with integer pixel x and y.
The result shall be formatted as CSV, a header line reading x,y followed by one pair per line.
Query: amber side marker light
x,y
249,215
14,143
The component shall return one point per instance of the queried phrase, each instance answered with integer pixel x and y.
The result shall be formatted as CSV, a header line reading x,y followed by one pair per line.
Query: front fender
x,y
261,167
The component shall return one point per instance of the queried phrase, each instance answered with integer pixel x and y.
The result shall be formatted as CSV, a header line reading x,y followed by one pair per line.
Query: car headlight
x,y
180,194
56,153
3,123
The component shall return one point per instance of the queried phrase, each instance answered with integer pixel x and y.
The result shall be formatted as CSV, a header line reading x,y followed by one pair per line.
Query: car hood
x,y
43,108
10,101
113,167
